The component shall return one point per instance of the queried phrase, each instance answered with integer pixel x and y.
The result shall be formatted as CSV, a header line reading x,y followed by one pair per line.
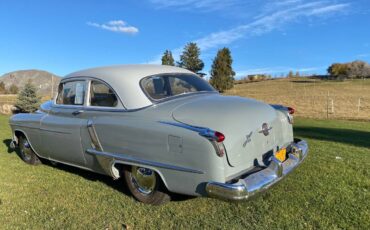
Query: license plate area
x,y
281,155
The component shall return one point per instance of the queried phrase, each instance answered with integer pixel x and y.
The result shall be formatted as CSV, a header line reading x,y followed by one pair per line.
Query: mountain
x,y
41,79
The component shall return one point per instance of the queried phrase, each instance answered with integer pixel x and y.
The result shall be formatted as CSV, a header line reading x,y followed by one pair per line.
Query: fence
x,y
313,98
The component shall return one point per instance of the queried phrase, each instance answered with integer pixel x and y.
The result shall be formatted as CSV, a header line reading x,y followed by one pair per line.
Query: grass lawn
x,y
330,190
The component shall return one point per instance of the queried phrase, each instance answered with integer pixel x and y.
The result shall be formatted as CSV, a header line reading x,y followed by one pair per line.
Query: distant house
x,y
257,77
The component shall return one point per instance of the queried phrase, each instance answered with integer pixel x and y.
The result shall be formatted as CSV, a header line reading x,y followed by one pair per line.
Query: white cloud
x,y
275,14
204,5
117,26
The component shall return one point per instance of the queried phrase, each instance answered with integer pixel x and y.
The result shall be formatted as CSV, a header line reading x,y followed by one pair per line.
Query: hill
x,y
41,79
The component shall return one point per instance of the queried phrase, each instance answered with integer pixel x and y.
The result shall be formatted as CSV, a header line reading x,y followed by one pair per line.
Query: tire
x,y
26,152
145,185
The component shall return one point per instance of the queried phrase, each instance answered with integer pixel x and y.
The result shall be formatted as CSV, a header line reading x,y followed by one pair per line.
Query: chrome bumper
x,y
261,180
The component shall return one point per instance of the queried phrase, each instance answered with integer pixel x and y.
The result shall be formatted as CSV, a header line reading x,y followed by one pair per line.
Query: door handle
x,y
77,112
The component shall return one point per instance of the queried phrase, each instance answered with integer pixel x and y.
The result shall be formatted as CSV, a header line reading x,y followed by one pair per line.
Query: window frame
x,y
88,102
68,81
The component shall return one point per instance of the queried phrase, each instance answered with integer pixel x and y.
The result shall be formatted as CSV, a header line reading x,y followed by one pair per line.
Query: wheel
x,y
26,152
145,185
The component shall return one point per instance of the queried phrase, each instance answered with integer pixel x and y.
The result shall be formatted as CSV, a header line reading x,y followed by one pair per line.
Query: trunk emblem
x,y
265,129
248,139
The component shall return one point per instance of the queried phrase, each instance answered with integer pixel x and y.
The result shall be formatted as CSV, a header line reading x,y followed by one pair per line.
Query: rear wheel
x,y
145,185
26,152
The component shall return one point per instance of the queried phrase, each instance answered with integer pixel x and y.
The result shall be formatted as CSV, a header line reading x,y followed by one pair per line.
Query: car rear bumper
x,y
261,180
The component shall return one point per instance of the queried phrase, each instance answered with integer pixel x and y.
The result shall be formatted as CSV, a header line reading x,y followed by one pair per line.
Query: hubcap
x,y
144,179
26,150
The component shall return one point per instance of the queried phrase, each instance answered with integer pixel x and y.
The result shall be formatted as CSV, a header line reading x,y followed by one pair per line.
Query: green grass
x,y
330,190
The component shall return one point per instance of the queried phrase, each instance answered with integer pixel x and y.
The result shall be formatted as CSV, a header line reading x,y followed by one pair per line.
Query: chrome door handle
x,y
77,112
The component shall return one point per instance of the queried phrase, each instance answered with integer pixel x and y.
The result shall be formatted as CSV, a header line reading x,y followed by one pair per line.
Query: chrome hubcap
x,y
144,179
26,150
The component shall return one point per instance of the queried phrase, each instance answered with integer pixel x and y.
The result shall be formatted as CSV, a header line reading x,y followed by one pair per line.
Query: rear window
x,y
166,86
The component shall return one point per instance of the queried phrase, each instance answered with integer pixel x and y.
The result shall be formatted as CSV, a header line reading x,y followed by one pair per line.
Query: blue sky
x,y
265,36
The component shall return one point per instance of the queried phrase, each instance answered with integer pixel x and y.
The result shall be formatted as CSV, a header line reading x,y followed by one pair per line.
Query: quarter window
x,y
71,93
102,95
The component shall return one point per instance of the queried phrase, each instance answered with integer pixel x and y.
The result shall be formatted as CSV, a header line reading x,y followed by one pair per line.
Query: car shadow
x,y
345,136
118,185
7,143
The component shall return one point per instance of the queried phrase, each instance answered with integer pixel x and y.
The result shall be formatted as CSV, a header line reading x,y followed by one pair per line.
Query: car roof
x,y
125,80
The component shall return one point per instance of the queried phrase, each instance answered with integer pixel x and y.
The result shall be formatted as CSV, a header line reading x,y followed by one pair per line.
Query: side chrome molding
x,y
134,160
94,137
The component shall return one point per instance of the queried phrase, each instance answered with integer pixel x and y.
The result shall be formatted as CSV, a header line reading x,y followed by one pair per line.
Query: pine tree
x,y
297,74
28,101
167,58
290,74
189,58
222,74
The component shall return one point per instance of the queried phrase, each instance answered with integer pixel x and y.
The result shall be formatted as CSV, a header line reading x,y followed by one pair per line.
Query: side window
x,y
71,93
102,95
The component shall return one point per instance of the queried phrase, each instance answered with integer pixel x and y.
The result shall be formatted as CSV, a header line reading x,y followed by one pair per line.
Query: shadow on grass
x,y
345,136
118,185
7,144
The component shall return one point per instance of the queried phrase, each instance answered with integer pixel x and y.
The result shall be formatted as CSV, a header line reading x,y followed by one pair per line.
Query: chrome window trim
x,y
88,104
87,96
65,81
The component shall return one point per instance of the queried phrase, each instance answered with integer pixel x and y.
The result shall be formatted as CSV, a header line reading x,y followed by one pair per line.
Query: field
x,y
313,98
331,190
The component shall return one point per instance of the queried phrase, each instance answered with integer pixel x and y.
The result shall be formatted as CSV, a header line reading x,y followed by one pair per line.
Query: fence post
x,y
327,106
332,106
359,105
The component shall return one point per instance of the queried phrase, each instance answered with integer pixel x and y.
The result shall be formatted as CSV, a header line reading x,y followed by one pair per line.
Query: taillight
x,y
291,110
216,139
219,137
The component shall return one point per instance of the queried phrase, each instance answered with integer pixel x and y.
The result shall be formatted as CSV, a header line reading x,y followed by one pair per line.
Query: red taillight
x,y
291,110
220,137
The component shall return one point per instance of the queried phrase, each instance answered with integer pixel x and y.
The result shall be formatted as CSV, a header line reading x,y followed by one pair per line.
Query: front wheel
x,y
145,185
26,152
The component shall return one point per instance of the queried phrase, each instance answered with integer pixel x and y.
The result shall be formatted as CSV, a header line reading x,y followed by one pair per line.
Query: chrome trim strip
x,y
261,180
93,136
134,160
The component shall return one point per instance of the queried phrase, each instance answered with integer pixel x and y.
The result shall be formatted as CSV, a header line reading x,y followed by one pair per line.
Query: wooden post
x,y
359,105
327,106
332,106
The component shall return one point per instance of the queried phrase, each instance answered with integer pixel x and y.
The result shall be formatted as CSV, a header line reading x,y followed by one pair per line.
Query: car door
x,y
102,104
61,129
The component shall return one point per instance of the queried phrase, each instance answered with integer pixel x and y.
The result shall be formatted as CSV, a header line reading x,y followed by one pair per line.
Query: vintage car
x,y
162,129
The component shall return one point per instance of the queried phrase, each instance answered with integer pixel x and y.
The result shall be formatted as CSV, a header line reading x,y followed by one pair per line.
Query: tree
x,y
2,88
13,89
167,58
290,74
189,58
297,74
28,101
222,74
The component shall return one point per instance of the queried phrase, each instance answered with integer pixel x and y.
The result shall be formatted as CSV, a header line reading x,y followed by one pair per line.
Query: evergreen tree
x,y
297,74
28,101
13,89
167,58
189,58
222,74
290,74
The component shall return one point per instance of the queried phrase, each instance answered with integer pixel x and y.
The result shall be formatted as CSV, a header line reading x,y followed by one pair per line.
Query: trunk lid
x,y
239,119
